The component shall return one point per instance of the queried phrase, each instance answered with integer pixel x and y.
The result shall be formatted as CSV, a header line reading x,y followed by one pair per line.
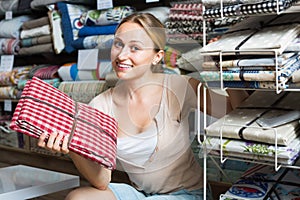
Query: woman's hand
x,y
56,142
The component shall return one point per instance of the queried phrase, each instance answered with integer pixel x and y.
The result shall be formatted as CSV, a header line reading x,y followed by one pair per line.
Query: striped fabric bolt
x,y
44,108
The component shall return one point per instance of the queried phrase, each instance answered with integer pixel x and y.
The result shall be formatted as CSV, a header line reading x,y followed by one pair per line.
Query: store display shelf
x,y
203,140
282,75
240,9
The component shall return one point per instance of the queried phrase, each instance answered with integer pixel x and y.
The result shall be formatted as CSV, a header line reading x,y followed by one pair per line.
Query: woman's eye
x,y
118,44
135,48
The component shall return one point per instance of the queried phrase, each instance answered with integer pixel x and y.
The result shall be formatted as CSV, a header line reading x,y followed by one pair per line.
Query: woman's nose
x,y
124,52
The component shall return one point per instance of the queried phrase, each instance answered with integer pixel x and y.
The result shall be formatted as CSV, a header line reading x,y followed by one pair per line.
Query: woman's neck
x,y
141,87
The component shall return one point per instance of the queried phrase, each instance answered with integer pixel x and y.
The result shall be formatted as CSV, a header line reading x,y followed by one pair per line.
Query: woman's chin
x,y
121,75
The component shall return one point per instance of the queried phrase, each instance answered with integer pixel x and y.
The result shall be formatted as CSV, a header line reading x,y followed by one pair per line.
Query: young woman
x,y
152,111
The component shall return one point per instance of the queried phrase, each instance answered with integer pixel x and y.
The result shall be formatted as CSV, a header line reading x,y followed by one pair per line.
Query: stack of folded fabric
x,y
36,37
44,109
10,80
231,8
185,22
10,34
259,52
245,133
72,72
99,27
85,28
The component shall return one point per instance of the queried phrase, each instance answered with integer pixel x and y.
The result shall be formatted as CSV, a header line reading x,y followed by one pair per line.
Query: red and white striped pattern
x,y
43,108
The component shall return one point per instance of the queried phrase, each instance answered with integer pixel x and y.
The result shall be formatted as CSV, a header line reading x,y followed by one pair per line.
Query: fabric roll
x,y
34,32
14,76
55,82
36,49
45,109
28,42
9,46
10,28
94,42
8,92
44,71
35,23
97,30
70,72
83,91
105,17
65,71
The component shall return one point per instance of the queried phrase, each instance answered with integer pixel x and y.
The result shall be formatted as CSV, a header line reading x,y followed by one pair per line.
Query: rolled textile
x,y
45,71
14,76
8,92
44,109
9,46
10,28
28,42
83,91
70,72
97,30
34,32
94,42
35,23
67,71
36,49
105,17
55,82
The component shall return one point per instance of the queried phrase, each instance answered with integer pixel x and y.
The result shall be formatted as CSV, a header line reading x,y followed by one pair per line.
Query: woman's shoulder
x,y
177,81
102,101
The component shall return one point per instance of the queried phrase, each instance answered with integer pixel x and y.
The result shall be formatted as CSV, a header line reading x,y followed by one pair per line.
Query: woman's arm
x,y
97,175
219,103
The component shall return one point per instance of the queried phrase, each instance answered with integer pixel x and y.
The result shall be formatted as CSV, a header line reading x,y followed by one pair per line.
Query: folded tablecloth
x,y
255,151
242,122
43,108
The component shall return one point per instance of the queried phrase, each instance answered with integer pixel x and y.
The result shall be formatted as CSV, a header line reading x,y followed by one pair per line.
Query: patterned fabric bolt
x,y
43,108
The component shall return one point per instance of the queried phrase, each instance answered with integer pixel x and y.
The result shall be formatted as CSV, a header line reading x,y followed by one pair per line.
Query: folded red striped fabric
x,y
44,108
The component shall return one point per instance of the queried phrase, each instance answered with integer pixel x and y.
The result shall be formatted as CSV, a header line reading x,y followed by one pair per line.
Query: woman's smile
x,y
124,66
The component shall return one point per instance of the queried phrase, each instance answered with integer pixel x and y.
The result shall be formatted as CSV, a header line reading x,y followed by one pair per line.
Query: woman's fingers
x,y
51,140
41,141
56,142
64,147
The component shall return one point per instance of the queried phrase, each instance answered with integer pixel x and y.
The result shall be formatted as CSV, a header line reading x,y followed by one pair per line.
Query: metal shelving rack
x,y
202,137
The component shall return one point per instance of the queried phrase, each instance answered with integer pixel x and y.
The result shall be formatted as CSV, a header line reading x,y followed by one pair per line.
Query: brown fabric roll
x,y
35,23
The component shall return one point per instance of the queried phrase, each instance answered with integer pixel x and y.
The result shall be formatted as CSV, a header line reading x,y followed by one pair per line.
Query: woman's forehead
x,y
132,31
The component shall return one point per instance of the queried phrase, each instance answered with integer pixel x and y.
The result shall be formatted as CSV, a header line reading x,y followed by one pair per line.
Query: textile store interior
x,y
250,45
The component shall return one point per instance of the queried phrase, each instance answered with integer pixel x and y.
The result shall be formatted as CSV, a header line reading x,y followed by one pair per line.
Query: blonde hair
x,y
153,27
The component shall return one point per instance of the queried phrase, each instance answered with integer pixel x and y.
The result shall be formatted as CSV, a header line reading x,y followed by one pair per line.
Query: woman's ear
x,y
158,57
